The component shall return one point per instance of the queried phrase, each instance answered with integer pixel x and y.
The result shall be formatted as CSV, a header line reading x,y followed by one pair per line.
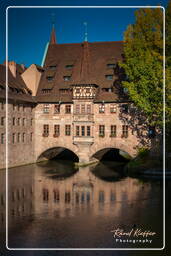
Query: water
x,y
54,205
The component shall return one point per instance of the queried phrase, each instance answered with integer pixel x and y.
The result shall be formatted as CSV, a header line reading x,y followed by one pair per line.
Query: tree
x,y
168,68
143,64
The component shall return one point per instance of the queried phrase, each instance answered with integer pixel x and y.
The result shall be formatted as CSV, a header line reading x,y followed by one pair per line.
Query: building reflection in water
x,y
57,191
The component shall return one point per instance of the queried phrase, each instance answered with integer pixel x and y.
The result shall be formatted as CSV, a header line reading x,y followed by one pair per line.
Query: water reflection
x,y
56,205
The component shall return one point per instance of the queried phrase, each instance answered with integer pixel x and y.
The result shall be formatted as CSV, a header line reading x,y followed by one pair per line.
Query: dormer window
x,y
67,78
46,90
69,66
111,65
107,89
109,77
52,67
49,78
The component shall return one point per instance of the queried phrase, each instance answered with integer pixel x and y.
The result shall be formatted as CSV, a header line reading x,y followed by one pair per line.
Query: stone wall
x,y
20,135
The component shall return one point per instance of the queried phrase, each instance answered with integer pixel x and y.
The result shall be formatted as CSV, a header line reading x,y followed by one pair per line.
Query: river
x,y
55,205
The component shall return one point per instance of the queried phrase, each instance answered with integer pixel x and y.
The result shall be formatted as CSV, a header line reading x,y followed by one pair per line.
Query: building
x,y
75,101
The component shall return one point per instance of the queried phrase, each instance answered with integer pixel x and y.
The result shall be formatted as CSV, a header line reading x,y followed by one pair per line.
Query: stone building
x,y
75,102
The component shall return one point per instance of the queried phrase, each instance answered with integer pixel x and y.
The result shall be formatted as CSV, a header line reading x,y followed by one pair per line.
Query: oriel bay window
x,y
56,130
57,109
77,109
67,130
45,130
125,131
101,130
82,108
88,109
68,109
113,131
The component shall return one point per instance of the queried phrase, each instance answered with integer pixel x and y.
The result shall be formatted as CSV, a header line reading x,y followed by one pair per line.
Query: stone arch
x,y
129,149
52,152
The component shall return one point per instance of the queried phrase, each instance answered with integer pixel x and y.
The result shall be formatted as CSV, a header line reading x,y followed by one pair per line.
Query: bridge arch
x,y
97,151
53,152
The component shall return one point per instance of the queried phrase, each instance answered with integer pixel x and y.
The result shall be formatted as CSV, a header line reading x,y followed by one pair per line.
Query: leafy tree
x,y
143,65
168,68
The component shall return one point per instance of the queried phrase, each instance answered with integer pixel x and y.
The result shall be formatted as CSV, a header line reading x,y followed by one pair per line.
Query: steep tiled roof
x,y
17,88
88,65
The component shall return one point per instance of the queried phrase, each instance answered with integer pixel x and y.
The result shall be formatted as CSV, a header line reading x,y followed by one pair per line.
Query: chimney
x,y
12,67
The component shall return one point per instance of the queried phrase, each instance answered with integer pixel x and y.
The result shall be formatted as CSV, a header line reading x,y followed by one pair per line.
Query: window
x,y
13,138
68,109
111,65
125,131
88,109
46,90
67,78
64,91
56,130
101,108
125,108
24,121
45,130
2,120
46,108
101,196
69,66
24,137
67,197
82,108
77,91
2,138
82,130
151,132
125,90
57,109
18,107
13,121
2,105
56,195
113,109
31,136
77,109
49,78
24,108
52,67
77,131
88,130
101,130
18,121
113,131
45,195
109,77
18,137
67,130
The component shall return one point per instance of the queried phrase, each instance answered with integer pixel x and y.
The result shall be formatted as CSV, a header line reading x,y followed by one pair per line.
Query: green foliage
x,y
143,152
168,68
143,50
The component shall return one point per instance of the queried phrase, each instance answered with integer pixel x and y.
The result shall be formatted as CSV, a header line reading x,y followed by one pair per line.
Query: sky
x,y
29,28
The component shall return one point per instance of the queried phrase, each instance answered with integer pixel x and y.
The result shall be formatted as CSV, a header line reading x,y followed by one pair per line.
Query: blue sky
x,y
29,28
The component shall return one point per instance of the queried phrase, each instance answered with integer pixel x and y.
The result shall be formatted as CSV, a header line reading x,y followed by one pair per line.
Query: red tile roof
x,y
89,62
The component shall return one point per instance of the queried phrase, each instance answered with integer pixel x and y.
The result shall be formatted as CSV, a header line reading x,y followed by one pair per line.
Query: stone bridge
x,y
85,152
